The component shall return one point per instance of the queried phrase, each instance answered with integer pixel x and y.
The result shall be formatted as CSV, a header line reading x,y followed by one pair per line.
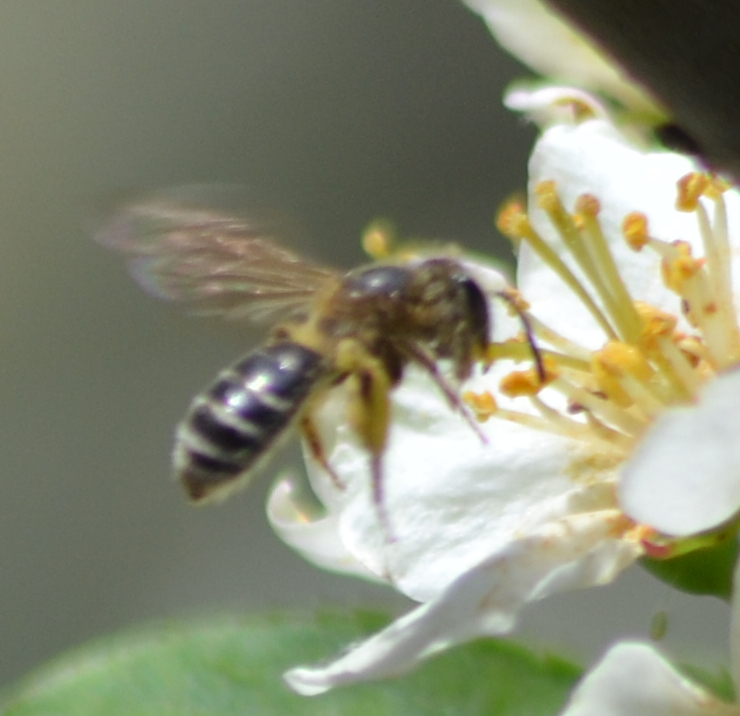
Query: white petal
x,y
484,601
549,45
452,500
554,104
315,539
684,477
634,680
594,157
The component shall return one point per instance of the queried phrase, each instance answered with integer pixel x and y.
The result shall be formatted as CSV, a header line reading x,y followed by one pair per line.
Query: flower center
x,y
647,362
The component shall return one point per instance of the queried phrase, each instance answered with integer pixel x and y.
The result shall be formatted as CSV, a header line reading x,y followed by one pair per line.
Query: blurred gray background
x,y
333,111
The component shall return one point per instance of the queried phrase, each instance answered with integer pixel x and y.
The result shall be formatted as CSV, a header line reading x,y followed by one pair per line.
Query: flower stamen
x,y
608,411
703,284
583,238
594,430
571,351
678,367
645,363
715,240
615,293
514,223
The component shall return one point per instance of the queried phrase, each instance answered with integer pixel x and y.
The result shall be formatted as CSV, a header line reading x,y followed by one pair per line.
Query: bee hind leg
x,y
369,411
376,467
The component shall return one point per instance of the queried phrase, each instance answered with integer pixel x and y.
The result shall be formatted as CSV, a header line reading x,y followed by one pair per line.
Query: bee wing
x,y
219,263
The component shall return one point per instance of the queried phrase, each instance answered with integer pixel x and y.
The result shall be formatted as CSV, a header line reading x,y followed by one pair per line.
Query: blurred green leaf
x,y
233,665
718,682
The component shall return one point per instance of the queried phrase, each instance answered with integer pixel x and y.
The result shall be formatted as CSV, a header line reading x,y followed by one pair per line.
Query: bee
x,y
360,329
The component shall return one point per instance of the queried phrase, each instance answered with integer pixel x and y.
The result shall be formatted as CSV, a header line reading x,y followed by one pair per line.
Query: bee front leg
x,y
453,398
369,411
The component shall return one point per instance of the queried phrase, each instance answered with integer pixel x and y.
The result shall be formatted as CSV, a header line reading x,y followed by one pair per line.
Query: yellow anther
x,y
680,267
656,323
690,188
692,348
512,220
547,196
378,239
612,363
620,358
716,187
482,404
635,230
527,383
521,383
588,204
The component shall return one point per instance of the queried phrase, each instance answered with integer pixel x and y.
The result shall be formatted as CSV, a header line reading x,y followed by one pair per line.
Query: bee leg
x,y
369,414
376,467
311,435
420,357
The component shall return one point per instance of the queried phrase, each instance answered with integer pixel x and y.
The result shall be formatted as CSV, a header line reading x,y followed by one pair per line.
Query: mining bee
x,y
359,329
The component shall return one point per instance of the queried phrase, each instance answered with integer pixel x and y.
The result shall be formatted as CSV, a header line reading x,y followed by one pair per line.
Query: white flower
x,y
634,679
537,35
630,306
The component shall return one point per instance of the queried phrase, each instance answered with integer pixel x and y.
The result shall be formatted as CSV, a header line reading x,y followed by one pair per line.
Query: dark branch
x,y
687,53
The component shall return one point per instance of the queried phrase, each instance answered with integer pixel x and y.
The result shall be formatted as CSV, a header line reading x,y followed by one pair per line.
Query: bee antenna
x,y
528,332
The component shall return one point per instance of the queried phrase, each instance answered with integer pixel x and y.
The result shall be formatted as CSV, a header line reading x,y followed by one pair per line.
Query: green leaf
x,y
718,682
705,571
233,665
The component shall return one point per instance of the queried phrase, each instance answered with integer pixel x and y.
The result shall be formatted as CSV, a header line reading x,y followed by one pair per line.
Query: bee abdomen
x,y
232,427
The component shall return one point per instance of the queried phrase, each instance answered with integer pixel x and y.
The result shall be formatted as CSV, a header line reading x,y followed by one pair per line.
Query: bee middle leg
x,y
310,433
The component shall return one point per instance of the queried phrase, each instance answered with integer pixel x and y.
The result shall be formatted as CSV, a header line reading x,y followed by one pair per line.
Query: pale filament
x,y
646,363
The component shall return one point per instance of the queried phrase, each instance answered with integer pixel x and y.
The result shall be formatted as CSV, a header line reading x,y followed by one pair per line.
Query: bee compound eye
x,y
477,306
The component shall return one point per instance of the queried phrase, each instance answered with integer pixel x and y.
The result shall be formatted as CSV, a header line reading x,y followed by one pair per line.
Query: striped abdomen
x,y
231,427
